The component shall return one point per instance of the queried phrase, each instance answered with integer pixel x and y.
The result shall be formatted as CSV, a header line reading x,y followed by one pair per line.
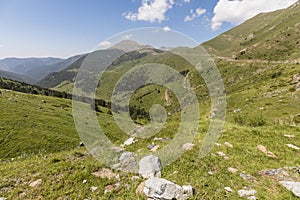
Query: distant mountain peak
x,y
129,45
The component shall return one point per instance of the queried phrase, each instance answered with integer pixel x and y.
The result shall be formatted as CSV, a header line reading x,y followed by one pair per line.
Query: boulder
x,y
292,186
158,189
150,166
128,162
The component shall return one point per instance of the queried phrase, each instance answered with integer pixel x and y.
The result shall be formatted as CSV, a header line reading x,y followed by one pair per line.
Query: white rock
x,y
246,193
289,136
228,189
228,144
84,181
35,183
93,188
292,146
128,162
3,198
158,188
188,146
251,198
188,190
150,166
130,141
232,170
220,153
292,186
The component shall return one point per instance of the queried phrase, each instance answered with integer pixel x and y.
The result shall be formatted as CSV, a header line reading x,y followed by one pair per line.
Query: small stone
x,y
220,153
248,177
251,198
84,181
36,183
110,188
93,188
155,148
246,193
130,141
218,144
140,188
266,152
188,146
232,170
150,166
3,198
289,136
228,189
81,144
228,144
188,190
292,146
151,146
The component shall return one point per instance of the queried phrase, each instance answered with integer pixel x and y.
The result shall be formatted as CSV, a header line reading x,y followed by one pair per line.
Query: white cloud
x,y
127,37
186,1
238,11
105,44
151,11
194,14
166,29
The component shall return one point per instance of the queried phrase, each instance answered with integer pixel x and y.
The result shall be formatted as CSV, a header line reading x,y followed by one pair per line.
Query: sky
x,y
63,28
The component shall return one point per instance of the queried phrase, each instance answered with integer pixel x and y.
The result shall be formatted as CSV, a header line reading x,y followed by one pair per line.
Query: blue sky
x,y
62,28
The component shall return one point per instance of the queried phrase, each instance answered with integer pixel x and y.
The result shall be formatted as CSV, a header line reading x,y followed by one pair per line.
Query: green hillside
x,y
40,157
268,36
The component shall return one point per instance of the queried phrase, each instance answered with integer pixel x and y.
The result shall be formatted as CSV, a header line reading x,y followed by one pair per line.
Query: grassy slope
x,y
276,37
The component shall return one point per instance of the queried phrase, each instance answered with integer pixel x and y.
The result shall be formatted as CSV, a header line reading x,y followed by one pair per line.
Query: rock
x,y
228,144
228,189
150,166
246,193
84,181
110,188
251,198
220,153
3,198
237,110
188,190
93,188
289,136
158,188
36,183
140,188
151,146
130,141
292,146
292,186
128,162
105,173
232,170
81,144
155,148
157,139
248,177
188,146
218,144
266,152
